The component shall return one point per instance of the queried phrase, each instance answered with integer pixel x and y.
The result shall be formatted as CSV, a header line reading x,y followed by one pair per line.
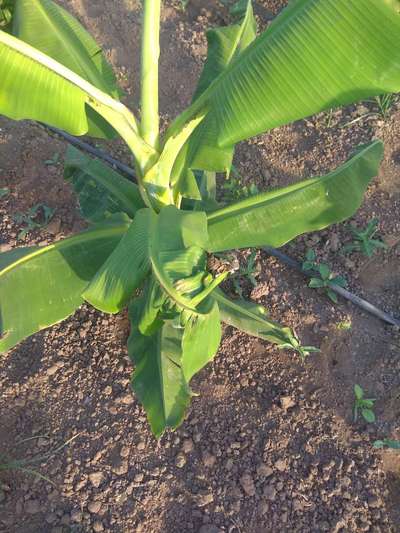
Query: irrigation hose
x,y
356,300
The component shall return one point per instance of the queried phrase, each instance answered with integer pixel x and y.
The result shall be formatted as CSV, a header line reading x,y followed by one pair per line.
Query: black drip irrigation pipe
x,y
94,151
366,306
356,300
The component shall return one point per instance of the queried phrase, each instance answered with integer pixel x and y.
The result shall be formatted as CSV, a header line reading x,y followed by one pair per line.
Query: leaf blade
x,y
125,268
158,379
274,218
41,286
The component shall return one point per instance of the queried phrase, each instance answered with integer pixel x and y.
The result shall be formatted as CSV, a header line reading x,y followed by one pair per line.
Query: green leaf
x,y
153,299
125,269
252,319
332,296
177,249
368,415
101,191
324,271
51,29
316,55
159,178
394,444
276,217
358,392
201,340
224,46
35,86
158,379
316,283
41,286
4,192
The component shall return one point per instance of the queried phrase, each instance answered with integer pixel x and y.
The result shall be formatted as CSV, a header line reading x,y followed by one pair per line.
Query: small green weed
x,y
25,465
345,325
4,192
326,279
363,241
36,217
54,160
247,271
303,351
384,103
387,443
233,188
364,405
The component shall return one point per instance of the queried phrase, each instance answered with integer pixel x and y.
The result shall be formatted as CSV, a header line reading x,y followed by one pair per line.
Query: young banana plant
x,y
146,246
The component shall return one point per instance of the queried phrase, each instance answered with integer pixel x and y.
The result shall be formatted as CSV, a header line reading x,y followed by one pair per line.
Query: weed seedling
x,y
326,279
363,241
4,192
234,190
26,464
387,443
344,325
36,217
303,351
365,405
247,271
54,160
385,103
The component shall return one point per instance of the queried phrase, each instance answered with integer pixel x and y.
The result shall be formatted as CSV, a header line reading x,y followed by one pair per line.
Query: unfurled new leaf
x,y
158,379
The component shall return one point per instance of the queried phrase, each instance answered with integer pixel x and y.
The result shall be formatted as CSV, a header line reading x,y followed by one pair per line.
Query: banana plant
x,y
147,243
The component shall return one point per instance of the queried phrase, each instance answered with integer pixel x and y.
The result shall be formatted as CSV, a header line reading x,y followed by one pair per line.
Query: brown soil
x,y
269,444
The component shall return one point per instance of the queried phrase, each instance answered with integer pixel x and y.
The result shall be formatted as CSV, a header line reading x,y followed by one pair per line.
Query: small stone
x,y
334,242
374,502
98,526
5,247
263,507
138,477
209,459
65,519
121,469
264,470
127,399
96,478
52,370
76,516
297,505
108,390
54,226
94,507
248,484
51,518
281,465
204,499
287,402
180,460
32,506
187,445
124,451
270,492
141,446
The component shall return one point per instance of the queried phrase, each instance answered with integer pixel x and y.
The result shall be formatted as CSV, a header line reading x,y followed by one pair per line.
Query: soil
x,y
269,444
